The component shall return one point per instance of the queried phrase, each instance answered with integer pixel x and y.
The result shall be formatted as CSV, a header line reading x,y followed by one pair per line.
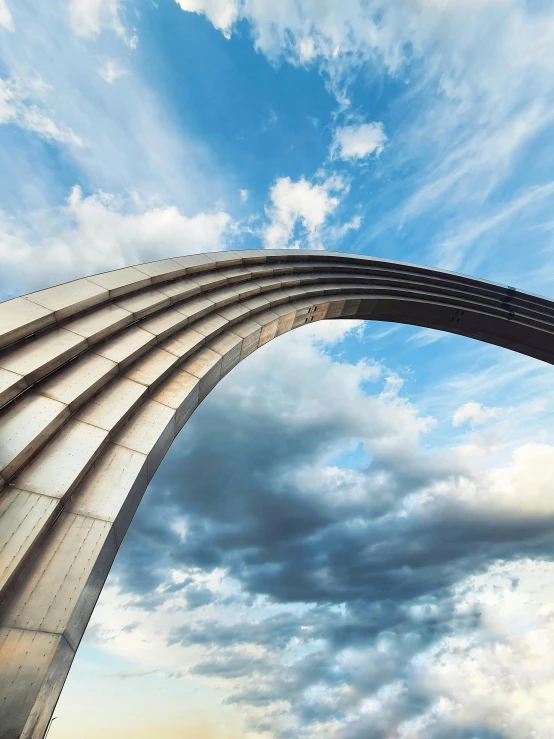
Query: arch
x,y
98,376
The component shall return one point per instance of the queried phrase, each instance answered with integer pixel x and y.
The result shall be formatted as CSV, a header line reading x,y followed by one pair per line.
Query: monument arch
x,y
99,375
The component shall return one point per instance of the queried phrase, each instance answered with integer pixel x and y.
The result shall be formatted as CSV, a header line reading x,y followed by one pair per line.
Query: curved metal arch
x,y
98,376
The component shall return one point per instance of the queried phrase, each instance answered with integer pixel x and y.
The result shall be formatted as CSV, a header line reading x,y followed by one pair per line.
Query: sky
x,y
353,536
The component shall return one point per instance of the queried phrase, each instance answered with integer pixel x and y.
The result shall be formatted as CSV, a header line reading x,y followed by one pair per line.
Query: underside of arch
x,y
99,375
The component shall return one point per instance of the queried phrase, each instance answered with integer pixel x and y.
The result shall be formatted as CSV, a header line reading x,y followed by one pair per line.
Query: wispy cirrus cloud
x,y
6,20
19,106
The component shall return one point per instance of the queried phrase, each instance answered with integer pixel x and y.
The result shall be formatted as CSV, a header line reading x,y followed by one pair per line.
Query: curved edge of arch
x,y
84,540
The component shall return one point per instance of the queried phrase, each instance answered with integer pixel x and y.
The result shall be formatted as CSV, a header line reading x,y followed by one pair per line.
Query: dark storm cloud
x,y
374,573
243,515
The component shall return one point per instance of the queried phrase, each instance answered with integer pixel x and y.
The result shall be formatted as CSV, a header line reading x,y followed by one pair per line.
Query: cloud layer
x,y
337,598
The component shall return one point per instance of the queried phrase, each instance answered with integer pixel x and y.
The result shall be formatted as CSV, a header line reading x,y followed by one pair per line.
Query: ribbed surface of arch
x,y
99,375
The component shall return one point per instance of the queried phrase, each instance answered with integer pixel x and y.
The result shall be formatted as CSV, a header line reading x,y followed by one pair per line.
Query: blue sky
x,y
370,553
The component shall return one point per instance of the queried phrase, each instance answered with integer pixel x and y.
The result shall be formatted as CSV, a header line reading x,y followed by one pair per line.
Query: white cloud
x,y
6,20
483,71
498,677
488,671
100,232
299,203
222,13
244,195
18,107
467,40
110,71
132,141
473,412
452,249
519,491
89,17
358,142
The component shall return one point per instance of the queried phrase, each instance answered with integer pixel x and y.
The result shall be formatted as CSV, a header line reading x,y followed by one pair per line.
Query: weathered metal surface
x,y
102,323
11,384
113,488
59,588
124,349
24,426
65,460
21,317
152,369
35,359
180,392
33,668
229,346
23,517
161,270
144,303
122,281
76,383
129,356
113,407
150,432
206,366
70,298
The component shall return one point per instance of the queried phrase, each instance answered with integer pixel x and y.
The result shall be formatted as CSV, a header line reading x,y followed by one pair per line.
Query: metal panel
x,y
269,322
257,303
161,270
229,346
70,298
195,308
247,289
113,407
211,325
210,280
126,348
20,317
180,289
184,343
250,332
226,258
150,432
181,393
144,303
286,321
25,426
222,297
206,365
238,274
36,358
23,517
11,384
254,255
33,668
335,308
101,323
269,283
196,262
78,382
121,281
152,369
165,324
234,313
64,461
113,488
57,594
